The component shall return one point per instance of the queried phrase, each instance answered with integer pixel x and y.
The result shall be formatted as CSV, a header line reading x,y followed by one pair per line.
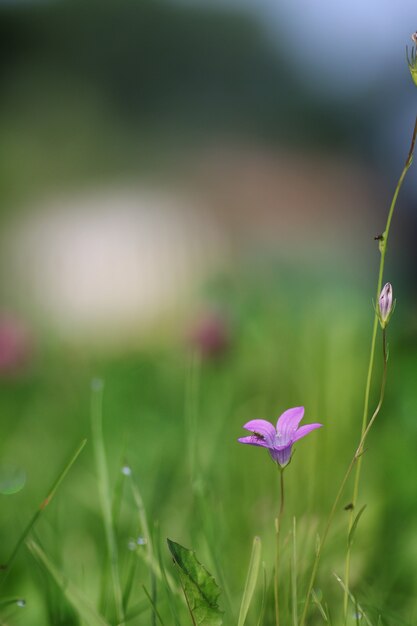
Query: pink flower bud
x,y
385,304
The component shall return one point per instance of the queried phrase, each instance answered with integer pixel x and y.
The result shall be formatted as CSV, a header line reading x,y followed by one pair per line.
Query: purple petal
x,y
304,430
263,428
253,440
282,456
288,423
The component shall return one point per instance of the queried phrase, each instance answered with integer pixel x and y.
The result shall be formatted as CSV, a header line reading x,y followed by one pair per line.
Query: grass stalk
x,y
278,521
104,493
143,521
251,578
294,594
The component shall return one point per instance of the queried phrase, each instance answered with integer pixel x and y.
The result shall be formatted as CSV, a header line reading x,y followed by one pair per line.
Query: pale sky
x,y
340,45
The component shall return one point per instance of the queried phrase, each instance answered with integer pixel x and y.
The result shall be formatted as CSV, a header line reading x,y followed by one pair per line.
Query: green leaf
x,y
251,579
354,525
200,589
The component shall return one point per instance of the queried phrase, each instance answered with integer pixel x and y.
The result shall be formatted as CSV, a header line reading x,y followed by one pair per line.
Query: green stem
x,y
365,427
356,457
294,600
383,249
277,545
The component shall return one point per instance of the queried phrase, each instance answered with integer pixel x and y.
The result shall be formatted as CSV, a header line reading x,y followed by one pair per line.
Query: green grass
x,y
174,421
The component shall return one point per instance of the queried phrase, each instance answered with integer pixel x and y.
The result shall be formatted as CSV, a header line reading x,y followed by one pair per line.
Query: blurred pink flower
x,y
210,334
15,344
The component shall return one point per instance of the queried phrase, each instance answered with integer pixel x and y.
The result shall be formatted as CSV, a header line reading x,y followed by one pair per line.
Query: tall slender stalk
x,y
294,600
366,426
383,250
278,520
358,453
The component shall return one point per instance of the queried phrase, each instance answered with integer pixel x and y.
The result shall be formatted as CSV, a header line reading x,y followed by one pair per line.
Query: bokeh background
x,y
189,197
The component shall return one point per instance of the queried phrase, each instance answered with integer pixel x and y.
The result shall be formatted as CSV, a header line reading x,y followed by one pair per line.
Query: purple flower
x,y
279,440
385,304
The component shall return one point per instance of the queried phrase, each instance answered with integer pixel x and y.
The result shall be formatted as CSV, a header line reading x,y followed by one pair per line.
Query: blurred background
x,y
189,197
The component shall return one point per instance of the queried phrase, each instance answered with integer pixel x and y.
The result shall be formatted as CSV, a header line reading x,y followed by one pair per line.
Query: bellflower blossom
x,y
279,440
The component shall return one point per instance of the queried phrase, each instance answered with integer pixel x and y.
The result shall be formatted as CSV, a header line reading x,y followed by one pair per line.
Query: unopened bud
x,y
412,61
385,304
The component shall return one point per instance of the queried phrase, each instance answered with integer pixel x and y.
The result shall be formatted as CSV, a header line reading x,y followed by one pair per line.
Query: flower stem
x,y
383,249
366,426
356,457
277,545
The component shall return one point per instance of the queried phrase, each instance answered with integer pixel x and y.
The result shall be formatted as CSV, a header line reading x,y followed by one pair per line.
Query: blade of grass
x,y
155,610
353,599
192,384
129,581
51,493
251,578
104,492
263,602
319,605
116,506
354,525
74,596
167,587
294,573
138,609
8,601
143,521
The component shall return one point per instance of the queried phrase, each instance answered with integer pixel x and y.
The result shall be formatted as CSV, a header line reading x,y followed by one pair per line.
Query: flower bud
x,y
385,304
412,62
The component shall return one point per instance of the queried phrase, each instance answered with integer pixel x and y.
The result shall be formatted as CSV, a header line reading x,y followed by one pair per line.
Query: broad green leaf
x,y
200,589
78,601
252,577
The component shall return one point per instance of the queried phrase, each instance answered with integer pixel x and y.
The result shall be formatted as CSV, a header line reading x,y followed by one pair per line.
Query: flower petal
x,y
304,430
288,423
264,428
282,456
253,440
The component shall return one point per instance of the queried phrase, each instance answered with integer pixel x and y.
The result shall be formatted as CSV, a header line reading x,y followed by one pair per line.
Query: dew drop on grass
x,y
12,480
142,541
126,470
21,603
97,384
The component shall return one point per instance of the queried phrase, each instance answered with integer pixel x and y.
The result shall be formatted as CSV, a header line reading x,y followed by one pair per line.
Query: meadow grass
x,y
216,497
102,560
